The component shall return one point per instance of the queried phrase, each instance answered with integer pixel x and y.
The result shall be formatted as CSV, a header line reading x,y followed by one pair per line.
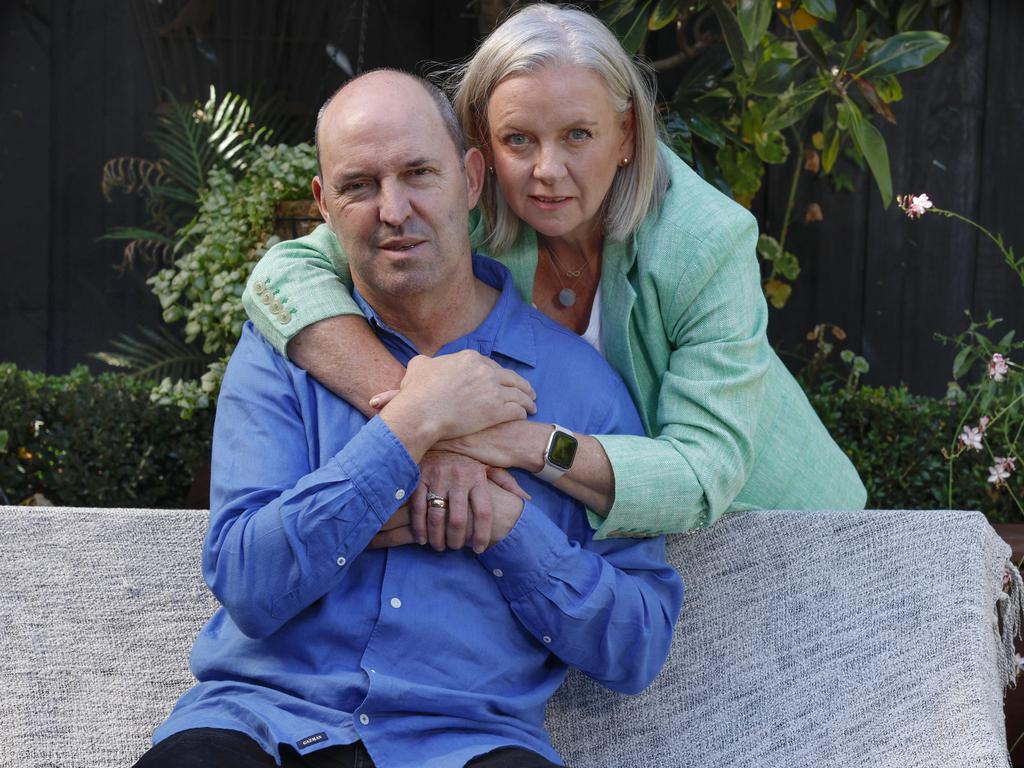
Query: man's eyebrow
x,y
419,162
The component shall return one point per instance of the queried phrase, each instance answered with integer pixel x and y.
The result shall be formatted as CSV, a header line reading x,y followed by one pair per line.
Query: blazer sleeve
x,y
702,452
298,283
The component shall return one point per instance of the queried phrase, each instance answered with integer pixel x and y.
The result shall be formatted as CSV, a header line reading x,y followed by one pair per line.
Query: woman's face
x,y
556,143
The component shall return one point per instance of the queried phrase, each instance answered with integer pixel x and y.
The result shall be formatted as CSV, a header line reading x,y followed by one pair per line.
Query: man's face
x,y
394,189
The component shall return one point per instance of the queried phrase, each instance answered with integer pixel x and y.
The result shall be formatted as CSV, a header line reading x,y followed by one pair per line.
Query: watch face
x,y
563,450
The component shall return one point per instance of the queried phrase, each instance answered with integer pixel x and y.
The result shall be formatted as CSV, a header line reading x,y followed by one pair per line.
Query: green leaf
x,y
792,106
888,88
157,354
743,171
679,136
614,10
733,36
962,362
136,233
708,129
903,52
768,247
774,77
831,151
754,17
908,13
664,13
4,438
771,147
1007,340
820,9
788,266
856,40
871,144
633,39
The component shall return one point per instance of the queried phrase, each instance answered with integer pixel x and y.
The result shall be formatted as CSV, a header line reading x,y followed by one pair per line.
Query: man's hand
x,y
453,395
506,507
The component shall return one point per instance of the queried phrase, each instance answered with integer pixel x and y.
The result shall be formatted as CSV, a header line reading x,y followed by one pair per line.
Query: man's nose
x,y
550,165
394,204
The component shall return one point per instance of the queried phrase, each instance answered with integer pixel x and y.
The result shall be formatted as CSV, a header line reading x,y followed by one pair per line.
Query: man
x,y
329,651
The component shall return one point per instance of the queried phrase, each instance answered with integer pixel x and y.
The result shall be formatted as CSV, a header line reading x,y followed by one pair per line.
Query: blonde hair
x,y
542,35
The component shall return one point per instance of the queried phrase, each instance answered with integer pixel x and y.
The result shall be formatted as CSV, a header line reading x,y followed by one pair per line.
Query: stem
x,y
1007,255
792,189
952,449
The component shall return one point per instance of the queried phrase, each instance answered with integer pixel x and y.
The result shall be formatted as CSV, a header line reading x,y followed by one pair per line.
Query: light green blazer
x,y
683,321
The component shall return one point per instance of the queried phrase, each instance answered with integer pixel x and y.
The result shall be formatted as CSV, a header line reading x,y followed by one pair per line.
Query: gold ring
x,y
438,502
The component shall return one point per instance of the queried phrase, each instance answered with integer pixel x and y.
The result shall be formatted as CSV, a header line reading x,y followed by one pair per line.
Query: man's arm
x,y
606,607
282,530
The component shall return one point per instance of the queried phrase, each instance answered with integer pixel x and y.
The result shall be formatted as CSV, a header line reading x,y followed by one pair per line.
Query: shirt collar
x,y
507,329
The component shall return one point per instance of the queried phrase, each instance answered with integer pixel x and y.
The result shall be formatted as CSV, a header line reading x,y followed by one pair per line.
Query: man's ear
x,y
475,169
318,195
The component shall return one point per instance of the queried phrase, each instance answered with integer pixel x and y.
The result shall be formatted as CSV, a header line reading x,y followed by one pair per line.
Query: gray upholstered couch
x,y
807,639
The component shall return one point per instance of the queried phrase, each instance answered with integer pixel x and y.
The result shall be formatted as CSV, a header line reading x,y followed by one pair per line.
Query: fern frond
x,y
156,355
130,175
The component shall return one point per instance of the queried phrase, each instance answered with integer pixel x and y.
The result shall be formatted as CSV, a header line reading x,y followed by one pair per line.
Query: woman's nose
x,y
550,165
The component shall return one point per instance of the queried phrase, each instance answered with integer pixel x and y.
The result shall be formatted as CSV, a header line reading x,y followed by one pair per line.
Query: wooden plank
x,y
996,287
919,273
25,195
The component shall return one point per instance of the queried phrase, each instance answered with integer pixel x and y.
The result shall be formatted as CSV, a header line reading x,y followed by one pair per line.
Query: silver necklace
x,y
567,296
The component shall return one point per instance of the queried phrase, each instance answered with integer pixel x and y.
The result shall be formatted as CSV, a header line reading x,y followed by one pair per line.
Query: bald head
x,y
384,78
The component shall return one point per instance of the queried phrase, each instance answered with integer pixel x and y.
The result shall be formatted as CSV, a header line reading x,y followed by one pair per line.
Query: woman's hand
x,y
512,444
459,394
469,517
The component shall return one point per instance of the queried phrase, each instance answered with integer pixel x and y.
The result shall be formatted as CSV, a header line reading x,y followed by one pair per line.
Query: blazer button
x,y
259,287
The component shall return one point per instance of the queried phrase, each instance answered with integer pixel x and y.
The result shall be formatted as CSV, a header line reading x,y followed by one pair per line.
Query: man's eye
x,y
354,187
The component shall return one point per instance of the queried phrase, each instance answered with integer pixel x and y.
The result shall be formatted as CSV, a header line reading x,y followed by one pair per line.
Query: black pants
x,y
218,748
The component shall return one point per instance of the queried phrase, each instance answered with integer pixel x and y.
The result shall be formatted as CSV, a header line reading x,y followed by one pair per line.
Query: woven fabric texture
x,y
807,639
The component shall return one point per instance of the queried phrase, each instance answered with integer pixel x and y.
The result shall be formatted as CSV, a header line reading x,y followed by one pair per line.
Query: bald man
x,y
333,649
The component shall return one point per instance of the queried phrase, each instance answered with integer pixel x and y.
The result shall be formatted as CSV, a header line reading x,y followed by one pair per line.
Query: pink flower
x,y
983,424
999,472
998,367
914,206
971,437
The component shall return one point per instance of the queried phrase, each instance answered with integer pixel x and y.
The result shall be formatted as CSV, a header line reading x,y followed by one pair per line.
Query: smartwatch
x,y
559,454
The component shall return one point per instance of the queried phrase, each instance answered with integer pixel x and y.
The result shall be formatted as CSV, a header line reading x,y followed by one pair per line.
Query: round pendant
x,y
567,297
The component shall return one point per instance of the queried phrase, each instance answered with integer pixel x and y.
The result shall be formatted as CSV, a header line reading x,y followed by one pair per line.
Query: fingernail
x,y
478,549
374,401
422,540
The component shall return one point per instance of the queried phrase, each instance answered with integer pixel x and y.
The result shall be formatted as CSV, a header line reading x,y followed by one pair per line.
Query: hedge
x,y
95,441
88,440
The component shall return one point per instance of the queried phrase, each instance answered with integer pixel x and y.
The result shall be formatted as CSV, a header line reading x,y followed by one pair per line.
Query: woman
x,y
610,234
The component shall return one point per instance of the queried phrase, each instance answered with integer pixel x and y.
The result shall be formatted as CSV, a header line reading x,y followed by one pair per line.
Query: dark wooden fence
x,y
79,81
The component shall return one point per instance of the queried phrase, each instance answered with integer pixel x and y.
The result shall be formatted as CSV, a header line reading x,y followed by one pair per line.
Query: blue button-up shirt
x,y
430,658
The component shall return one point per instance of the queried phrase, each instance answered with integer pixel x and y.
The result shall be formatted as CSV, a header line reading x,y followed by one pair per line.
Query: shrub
x,y
95,441
896,439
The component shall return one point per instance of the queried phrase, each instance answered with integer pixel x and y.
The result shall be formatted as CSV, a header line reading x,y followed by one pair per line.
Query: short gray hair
x,y
441,101
545,34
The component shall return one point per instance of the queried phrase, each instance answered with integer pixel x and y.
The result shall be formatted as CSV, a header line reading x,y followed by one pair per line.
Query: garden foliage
x,y
98,441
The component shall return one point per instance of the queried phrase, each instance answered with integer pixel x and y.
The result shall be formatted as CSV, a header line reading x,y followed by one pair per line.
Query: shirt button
x,y
341,561
396,603
400,494
498,572
546,638
364,719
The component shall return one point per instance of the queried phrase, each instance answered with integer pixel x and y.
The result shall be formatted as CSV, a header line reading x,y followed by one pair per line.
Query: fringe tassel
x,y
1011,610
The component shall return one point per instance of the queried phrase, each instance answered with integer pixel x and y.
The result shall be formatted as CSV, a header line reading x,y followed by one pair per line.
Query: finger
x,y
418,513
505,479
518,397
380,400
512,379
458,511
483,516
437,519
396,537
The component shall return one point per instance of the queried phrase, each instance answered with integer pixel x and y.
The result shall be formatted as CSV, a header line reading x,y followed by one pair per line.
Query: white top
x,y
593,333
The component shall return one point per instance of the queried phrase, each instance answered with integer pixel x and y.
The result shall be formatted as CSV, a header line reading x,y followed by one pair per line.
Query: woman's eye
x,y
516,140
579,134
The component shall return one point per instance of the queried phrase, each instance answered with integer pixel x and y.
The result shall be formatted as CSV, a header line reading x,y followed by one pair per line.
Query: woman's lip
x,y
549,202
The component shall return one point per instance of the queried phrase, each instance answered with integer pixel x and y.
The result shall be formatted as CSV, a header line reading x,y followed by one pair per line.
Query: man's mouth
x,y
402,244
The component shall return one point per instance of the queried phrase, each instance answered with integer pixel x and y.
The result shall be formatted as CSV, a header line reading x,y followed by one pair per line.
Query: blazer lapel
x,y
617,299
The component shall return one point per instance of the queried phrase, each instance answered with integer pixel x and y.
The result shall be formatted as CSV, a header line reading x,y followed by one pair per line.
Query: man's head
x,y
396,184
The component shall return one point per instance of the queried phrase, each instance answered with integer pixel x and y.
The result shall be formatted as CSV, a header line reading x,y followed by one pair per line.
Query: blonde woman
x,y
607,232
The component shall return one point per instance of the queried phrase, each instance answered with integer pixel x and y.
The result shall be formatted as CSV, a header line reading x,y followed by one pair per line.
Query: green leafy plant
x,y
91,440
766,82
234,226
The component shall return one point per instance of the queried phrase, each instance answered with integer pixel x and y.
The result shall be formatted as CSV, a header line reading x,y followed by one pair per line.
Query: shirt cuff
x,y
380,468
525,557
